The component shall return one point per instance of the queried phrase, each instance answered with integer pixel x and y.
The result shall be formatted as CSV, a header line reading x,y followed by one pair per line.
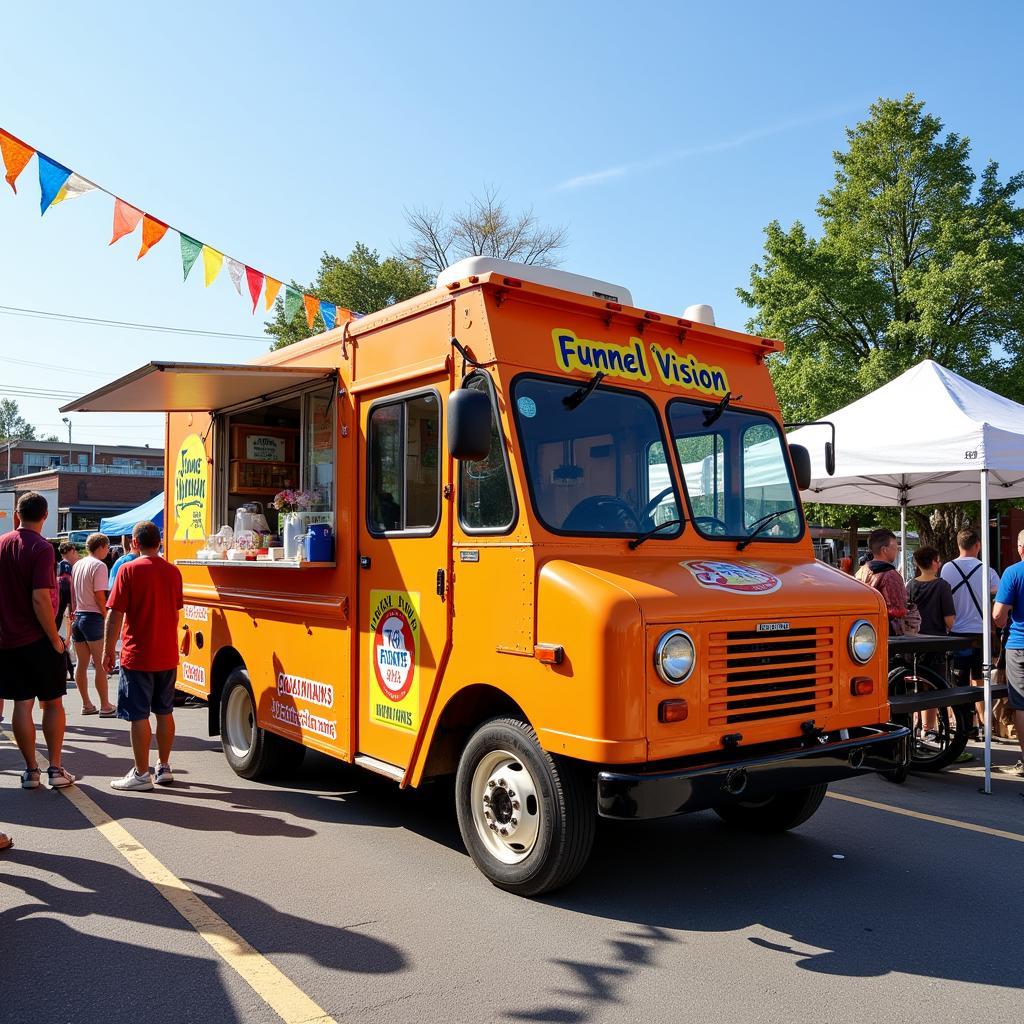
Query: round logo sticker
x,y
527,407
393,654
737,577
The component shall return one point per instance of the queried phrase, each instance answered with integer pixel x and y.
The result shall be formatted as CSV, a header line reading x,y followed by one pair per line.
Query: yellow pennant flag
x,y
271,287
212,262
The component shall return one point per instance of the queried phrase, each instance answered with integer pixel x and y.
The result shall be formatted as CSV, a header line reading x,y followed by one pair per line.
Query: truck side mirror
x,y
469,424
801,465
830,458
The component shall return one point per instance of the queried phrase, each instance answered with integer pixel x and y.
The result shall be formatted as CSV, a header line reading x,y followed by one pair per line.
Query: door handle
x,y
440,583
365,561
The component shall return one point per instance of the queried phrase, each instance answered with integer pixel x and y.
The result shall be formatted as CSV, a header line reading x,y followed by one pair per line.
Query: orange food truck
x,y
557,551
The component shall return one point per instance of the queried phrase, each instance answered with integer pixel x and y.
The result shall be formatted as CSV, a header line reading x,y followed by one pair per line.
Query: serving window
x,y
288,444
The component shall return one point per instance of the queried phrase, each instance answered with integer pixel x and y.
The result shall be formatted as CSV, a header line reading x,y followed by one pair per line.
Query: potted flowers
x,y
289,503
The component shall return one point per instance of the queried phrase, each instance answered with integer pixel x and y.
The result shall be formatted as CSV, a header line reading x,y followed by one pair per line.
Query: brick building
x,y
83,482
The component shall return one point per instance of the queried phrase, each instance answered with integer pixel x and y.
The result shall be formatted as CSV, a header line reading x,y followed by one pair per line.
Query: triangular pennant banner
x,y
190,250
212,262
312,304
270,290
126,219
74,187
254,279
52,176
235,271
152,231
329,311
16,155
292,302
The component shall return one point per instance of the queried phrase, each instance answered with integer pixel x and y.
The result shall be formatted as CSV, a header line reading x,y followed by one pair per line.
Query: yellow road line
x,y
278,991
952,822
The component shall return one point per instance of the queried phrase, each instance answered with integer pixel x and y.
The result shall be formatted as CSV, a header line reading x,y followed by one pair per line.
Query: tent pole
x,y
986,630
903,537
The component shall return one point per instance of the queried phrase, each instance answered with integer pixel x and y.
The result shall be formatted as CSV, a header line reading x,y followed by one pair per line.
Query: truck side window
x,y
485,488
404,485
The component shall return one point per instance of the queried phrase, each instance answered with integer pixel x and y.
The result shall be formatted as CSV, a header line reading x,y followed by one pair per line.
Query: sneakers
x,y
164,775
59,777
30,778
1017,769
133,781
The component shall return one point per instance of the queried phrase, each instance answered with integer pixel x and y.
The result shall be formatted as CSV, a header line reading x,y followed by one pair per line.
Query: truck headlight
x,y
863,641
674,657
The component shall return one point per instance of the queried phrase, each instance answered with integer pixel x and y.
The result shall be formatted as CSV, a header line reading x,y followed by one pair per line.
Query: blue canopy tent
x,y
122,525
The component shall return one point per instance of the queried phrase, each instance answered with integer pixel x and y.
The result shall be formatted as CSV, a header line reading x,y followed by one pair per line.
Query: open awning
x,y
197,387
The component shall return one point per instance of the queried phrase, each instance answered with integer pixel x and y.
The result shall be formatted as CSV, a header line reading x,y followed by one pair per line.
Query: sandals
x,y
91,710
112,713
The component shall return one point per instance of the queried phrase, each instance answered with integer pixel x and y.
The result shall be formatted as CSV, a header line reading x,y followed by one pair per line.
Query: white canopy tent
x,y
926,438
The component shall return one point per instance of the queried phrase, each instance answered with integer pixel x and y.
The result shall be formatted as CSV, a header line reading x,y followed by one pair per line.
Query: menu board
x,y
264,448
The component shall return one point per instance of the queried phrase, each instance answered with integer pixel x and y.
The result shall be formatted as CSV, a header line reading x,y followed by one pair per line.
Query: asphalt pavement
x,y
364,899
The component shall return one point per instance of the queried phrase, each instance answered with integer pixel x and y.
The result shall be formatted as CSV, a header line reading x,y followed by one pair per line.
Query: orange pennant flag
x,y
16,155
312,304
126,219
270,289
152,231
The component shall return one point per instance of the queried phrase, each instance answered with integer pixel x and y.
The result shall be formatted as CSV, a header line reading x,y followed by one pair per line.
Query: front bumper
x,y
658,791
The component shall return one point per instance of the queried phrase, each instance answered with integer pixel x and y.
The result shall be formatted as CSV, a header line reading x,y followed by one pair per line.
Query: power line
x,y
36,393
57,366
42,314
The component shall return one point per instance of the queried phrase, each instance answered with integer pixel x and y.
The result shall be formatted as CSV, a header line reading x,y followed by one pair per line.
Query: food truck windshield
x,y
595,465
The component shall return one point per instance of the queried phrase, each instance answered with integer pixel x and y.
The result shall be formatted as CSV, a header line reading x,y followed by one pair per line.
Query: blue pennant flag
x,y
52,176
329,311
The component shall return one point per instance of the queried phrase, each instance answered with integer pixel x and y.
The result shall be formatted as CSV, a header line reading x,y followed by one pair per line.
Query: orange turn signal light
x,y
549,654
673,710
861,686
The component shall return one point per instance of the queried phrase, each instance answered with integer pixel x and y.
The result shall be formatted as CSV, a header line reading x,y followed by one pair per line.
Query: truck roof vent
x,y
475,266
700,313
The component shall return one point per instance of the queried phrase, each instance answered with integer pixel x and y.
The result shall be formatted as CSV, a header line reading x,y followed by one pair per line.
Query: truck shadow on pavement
x,y
891,906
162,979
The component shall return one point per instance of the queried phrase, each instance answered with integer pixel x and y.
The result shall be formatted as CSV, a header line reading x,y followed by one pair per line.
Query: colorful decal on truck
x,y
637,361
736,577
191,489
395,655
305,689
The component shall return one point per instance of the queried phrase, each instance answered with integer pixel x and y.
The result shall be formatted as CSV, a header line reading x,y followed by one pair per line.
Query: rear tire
x,y
252,752
777,813
507,782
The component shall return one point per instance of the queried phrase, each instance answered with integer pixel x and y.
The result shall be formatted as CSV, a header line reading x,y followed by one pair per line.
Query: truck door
x,y
403,556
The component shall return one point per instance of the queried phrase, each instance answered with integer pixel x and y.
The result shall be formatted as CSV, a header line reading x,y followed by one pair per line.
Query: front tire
x,y
776,813
252,752
527,817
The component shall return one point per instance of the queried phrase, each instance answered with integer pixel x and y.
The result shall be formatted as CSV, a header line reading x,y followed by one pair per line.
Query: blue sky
x,y
665,136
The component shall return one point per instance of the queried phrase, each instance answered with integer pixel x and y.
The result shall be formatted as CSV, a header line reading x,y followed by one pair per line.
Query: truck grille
x,y
756,676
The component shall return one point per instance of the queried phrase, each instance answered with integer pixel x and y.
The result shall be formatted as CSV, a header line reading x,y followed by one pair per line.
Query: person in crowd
x,y
1009,608
964,576
146,598
932,594
31,649
114,552
68,557
131,552
88,603
880,574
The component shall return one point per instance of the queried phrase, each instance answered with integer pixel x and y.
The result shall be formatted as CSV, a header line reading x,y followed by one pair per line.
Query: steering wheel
x,y
717,525
602,512
654,503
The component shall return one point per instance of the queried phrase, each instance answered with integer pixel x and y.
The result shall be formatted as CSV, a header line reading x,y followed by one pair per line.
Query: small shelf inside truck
x,y
281,563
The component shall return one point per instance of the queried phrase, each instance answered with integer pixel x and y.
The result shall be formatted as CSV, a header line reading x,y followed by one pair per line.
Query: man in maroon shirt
x,y
146,597
31,650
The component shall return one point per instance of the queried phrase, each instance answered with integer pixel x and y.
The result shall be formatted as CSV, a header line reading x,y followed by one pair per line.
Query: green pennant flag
x,y
190,250
292,302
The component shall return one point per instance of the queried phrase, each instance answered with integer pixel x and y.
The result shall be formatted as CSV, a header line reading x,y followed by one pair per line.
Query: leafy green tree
x,y
362,282
14,426
918,258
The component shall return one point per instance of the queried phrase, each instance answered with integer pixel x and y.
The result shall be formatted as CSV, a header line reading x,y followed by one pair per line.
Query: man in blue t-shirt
x,y
1010,606
129,556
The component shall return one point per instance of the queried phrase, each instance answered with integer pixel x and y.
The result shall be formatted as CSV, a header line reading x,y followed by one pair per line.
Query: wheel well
x,y
225,661
461,715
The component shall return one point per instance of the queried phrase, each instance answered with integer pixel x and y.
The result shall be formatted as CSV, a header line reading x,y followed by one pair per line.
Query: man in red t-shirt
x,y
146,598
31,650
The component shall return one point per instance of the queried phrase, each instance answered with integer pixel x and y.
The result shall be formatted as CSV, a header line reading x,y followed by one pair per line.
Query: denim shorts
x,y
87,627
140,694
